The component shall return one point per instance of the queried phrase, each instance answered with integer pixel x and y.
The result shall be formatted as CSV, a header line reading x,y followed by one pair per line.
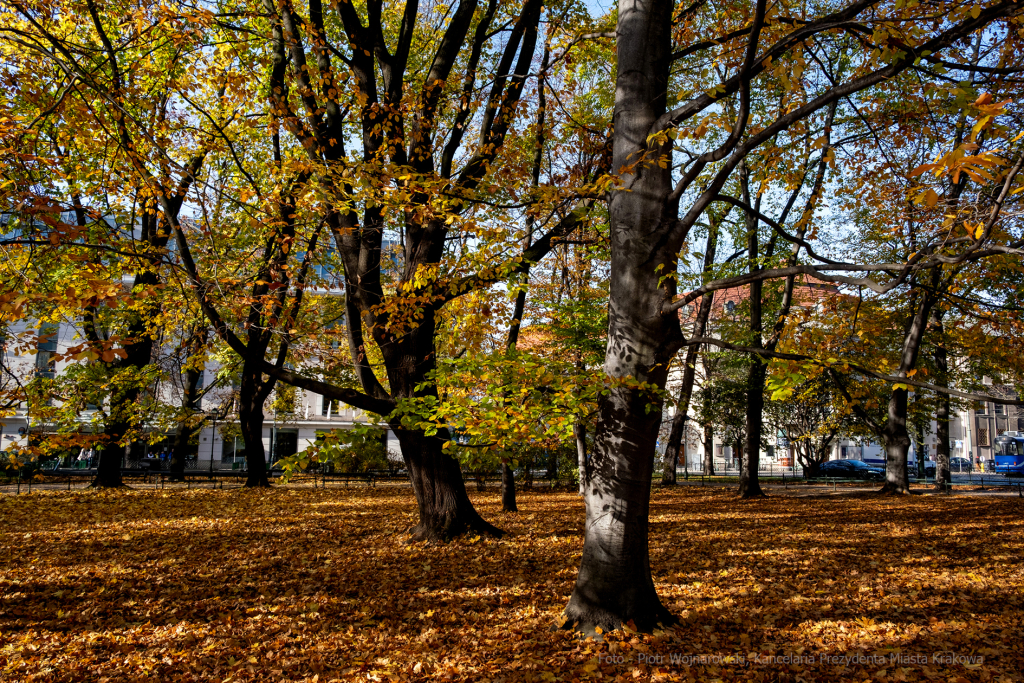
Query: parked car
x,y
960,465
929,468
848,469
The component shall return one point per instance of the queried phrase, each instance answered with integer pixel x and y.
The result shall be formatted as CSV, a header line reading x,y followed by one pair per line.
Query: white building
x,y
31,349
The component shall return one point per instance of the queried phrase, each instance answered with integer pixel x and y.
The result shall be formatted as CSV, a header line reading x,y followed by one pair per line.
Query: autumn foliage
x,y
304,585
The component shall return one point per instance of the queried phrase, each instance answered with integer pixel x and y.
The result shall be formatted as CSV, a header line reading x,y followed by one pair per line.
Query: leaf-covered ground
x,y
297,584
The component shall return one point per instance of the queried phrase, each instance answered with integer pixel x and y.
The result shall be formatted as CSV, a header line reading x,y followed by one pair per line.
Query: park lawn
x,y
302,584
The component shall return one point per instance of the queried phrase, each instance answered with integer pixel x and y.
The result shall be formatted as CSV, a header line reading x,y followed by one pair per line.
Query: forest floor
x,y
316,585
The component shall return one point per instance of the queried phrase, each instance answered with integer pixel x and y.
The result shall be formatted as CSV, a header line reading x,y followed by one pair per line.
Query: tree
x,y
411,130
811,417
649,223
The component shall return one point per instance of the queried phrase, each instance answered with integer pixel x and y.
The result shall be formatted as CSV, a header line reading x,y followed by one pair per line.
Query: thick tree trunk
x,y
508,489
444,506
614,586
897,445
110,458
250,417
709,450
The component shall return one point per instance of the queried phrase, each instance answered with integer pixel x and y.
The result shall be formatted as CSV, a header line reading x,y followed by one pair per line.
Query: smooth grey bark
x,y
614,585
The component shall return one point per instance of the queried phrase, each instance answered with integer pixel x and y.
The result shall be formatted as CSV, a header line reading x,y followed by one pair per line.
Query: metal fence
x,y
81,478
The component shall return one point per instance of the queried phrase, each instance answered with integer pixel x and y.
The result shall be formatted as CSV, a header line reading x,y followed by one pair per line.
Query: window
x,y
999,408
983,436
981,408
325,270
331,408
46,347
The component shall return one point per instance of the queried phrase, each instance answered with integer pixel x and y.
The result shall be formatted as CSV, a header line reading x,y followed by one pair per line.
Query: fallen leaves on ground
x,y
316,585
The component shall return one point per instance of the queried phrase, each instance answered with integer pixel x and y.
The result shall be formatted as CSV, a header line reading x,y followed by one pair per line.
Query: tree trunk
x,y
750,483
111,457
444,506
709,450
672,450
614,585
677,437
894,433
897,444
580,432
186,426
179,451
250,417
917,439
942,475
508,489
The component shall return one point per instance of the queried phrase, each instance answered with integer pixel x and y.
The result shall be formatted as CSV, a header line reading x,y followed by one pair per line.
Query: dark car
x,y
848,469
960,465
929,469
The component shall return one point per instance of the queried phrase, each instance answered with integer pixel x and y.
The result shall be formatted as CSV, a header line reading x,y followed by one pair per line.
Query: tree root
x,y
443,530
592,621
